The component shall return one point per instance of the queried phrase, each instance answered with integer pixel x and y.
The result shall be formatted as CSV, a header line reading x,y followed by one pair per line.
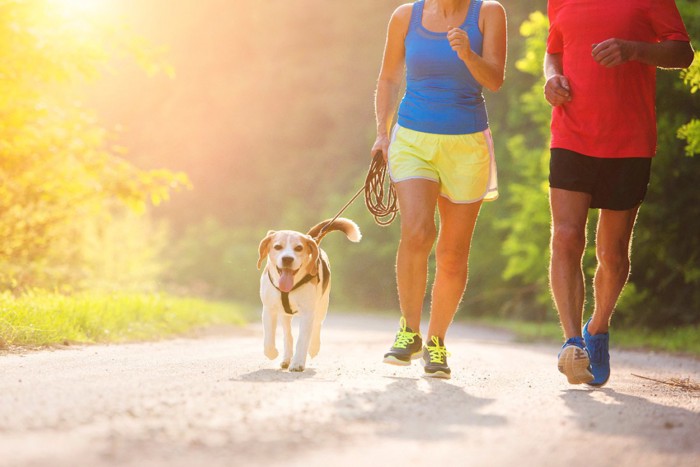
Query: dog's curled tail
x,y
348,227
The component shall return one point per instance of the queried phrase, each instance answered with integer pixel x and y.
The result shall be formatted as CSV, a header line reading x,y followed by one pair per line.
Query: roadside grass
x,y
43,318
684,340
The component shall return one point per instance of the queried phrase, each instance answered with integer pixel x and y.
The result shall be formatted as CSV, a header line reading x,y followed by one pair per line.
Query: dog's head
x,y
289,251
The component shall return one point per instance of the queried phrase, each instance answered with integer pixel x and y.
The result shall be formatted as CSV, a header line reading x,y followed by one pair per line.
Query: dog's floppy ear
x,y
313,246
264,247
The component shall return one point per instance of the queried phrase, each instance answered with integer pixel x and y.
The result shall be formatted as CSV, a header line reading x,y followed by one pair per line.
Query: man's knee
x,y
568,239
613,259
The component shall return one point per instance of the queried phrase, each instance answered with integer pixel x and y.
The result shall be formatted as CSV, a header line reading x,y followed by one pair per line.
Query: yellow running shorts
x,y
463,165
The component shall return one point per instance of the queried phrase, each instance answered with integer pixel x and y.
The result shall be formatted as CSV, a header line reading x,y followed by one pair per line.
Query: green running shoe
x,y
435,359
407,346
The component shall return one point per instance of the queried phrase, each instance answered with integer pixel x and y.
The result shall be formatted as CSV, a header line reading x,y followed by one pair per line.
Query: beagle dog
x,y
296,282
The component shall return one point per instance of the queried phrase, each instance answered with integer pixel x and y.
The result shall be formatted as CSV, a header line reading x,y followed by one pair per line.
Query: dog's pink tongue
x,y
286,280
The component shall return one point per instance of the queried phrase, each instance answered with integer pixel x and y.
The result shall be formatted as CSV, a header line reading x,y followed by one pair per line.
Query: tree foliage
x,y
690,132
61,174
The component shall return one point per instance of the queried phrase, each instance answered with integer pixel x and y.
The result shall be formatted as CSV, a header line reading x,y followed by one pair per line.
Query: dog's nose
x,y
287,261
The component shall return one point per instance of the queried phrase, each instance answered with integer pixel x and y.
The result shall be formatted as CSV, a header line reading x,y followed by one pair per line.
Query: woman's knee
x,y
418,236
454,261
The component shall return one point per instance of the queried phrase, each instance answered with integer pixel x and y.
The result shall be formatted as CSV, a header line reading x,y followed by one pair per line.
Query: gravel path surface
x,y
217,401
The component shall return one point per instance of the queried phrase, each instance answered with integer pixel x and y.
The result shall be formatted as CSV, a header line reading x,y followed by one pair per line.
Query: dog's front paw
x,y
271,353
284,364
297,363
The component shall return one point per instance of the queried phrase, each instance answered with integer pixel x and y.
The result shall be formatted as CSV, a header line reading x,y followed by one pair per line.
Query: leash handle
x,y
384,212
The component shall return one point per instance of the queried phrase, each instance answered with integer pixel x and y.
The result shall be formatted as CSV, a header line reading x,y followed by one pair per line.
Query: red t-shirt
x,y
612,112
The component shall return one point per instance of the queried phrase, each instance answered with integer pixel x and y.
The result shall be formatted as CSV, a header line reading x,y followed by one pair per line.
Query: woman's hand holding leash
x,y
380,194
381,146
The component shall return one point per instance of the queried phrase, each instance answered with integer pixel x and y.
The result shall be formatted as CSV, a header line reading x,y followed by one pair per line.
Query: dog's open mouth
x,y
286,279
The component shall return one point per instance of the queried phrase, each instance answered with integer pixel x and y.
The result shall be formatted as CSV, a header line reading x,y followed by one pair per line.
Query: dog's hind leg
x,y
269,318
288,341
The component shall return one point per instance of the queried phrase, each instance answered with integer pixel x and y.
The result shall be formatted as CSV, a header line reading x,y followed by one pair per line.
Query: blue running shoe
x,y
599,354
574,361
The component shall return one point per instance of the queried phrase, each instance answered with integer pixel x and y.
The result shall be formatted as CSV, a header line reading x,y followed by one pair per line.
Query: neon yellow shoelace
x,y
403,337
438,353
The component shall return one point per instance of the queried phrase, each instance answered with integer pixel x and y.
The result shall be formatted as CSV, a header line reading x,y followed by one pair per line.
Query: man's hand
x,y
557,90
613,52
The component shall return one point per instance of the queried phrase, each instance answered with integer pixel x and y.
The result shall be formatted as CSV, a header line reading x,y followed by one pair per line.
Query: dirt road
x,y
217,401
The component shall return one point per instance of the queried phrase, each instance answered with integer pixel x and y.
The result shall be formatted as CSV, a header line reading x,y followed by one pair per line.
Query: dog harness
x,y
307,278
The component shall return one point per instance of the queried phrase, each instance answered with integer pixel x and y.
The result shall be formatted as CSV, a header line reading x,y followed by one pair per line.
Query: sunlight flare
x,y
82,6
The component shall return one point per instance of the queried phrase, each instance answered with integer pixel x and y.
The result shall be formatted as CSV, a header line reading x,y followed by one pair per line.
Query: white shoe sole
x,y
391,360
574,362
438,374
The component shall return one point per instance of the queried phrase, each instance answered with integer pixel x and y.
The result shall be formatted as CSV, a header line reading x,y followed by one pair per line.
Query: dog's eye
x,y
277,247
298,248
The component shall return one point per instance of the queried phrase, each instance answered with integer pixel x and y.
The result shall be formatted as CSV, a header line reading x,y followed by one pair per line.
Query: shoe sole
x,y
573,363
438,374
597,385
392,360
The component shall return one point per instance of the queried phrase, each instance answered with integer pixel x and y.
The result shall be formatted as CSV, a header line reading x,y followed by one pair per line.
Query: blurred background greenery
x,y
249,116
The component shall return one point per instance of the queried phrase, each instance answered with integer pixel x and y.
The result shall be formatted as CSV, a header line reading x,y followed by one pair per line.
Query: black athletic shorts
x,y
618,184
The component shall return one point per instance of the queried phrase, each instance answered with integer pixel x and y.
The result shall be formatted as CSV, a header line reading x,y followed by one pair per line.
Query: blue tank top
x,y
442,96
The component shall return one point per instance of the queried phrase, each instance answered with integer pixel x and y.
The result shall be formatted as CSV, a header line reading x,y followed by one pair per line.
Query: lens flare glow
x,y
82,6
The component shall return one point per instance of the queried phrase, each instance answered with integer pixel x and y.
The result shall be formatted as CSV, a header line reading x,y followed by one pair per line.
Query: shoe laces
x,y
438,353
404,337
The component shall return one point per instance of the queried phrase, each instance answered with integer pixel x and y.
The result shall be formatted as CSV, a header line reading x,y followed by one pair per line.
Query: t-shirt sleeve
x,y
666,21
555,43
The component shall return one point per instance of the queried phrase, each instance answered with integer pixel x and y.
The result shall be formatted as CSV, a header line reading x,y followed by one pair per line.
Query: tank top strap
x,y
473,13
417,14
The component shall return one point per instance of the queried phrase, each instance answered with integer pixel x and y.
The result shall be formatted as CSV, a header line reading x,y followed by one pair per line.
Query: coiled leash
x,y
384,212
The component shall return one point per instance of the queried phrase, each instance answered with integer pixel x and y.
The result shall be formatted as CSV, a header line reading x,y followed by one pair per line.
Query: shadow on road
x,y
269,375
608,412
405,409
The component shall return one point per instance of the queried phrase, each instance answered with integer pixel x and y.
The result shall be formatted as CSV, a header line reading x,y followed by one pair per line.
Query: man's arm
x,y
556,88
666,54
